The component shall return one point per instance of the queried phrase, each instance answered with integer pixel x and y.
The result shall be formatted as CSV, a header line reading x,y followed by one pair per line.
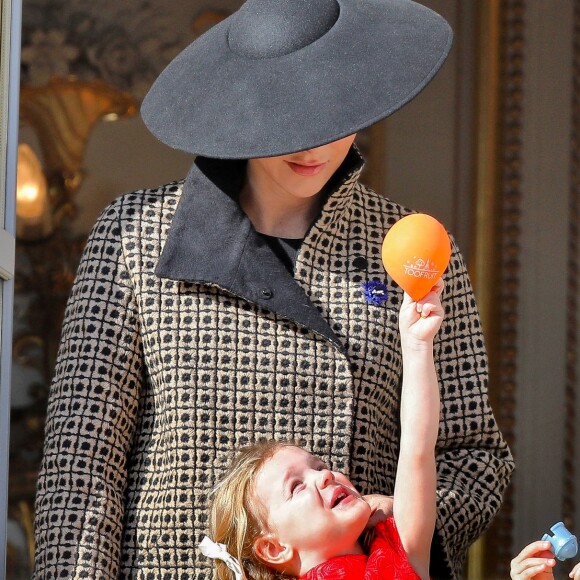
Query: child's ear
x,y
271,551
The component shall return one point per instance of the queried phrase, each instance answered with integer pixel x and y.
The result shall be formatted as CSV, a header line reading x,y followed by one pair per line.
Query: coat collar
x,y
212,241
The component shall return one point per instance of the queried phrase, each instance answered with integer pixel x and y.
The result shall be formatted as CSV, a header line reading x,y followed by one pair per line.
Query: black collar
x,y
212,241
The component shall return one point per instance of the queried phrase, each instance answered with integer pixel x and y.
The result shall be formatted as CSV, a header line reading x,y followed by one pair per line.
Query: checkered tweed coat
x,y
185,338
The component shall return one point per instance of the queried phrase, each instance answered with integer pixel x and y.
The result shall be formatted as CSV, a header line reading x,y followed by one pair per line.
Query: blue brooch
x,y
375,292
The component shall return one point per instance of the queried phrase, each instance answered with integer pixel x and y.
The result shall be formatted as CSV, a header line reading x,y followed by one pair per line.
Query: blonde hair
x,y
237,518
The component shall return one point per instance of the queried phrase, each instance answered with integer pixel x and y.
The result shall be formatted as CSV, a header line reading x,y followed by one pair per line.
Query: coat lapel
x,y
212,241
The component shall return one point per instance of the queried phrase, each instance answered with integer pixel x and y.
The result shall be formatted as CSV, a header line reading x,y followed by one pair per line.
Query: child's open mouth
x,y
341,498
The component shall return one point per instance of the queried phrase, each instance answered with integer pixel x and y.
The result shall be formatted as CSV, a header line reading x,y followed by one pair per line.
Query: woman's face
x,y
301,174
315,511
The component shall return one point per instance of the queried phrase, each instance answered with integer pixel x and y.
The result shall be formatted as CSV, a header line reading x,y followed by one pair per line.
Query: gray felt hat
x,y
280,76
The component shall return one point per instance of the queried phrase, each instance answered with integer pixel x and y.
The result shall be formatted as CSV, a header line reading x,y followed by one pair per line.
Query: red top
x,y
387,560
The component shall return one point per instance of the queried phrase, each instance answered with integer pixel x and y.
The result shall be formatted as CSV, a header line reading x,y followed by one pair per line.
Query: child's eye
x,y
295,487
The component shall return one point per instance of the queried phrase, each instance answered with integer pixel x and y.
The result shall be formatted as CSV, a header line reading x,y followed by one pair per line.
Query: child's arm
x,y
414,507
534,561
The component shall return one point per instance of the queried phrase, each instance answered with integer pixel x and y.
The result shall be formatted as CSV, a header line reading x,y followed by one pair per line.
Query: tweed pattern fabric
x,y
159,382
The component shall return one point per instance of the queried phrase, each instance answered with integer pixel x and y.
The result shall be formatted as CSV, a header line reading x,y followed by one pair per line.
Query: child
x,y
281,513
537,561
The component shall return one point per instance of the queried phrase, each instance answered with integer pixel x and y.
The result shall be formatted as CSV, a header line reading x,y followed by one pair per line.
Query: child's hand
x,y
420,321
535,561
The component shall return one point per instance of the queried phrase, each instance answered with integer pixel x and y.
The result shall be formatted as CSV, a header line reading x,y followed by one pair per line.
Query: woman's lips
x,y
306,169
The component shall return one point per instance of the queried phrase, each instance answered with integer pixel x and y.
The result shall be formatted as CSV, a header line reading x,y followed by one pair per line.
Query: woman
x,y
249,301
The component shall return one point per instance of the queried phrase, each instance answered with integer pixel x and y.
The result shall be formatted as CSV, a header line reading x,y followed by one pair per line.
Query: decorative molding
x,y
126,44
511,198
498,246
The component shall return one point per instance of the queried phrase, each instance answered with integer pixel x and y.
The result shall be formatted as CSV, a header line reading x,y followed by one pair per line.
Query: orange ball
x,y
416,252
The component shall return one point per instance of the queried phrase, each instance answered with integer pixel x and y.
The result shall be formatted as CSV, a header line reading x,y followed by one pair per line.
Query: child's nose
x,y
326,477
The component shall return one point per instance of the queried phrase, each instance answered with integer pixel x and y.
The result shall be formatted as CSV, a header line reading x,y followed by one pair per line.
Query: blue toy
x,y
564,543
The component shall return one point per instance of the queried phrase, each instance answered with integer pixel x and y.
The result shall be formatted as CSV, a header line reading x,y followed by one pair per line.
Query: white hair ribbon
x,y
217,551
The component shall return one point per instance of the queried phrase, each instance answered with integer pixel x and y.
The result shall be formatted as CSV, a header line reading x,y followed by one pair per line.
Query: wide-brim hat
x,y
280,76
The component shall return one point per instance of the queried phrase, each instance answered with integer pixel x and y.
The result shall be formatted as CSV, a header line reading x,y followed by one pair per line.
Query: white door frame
x,y
10,26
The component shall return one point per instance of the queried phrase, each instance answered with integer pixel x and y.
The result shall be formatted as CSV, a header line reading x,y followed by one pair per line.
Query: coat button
x,y
266,293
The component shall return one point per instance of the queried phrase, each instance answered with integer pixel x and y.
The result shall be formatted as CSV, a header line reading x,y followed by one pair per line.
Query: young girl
x,y
280,512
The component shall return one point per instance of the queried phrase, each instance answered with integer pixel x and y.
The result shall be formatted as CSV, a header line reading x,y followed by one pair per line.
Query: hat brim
x,y
378,56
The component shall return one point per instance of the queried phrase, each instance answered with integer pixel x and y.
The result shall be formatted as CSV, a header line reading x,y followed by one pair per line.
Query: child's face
x,y
315,511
